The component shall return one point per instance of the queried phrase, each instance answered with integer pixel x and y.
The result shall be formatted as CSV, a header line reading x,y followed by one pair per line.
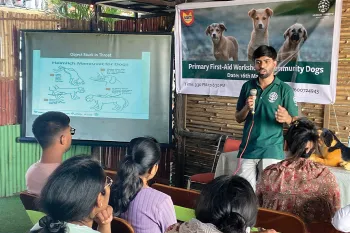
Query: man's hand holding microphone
x,y
250,102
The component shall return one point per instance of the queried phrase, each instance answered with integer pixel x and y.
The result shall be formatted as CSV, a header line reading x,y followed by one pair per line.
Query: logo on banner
x,y
323,6
187,17
273,97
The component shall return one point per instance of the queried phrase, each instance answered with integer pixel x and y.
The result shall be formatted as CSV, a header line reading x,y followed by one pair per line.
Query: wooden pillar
x,y
180,125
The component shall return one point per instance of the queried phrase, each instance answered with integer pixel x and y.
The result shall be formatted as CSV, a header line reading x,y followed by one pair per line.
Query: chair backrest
x,y
29,201
119,225
181,197
231,145
280,221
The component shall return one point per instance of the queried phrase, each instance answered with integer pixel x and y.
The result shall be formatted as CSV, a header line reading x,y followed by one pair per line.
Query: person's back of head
x,y
301,138
265,51
228,202
52,128
139,165
73,193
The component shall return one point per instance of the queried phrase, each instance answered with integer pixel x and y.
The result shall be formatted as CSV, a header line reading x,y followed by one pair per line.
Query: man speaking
x,y
264,104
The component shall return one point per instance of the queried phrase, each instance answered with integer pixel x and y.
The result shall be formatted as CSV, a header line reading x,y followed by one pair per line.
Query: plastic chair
x,y
184,214
204,178
231,145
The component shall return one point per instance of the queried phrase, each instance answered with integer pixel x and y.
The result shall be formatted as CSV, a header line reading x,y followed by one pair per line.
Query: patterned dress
x,y
301,187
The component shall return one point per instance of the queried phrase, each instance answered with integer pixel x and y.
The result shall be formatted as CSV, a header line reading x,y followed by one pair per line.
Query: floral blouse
x,y
301,187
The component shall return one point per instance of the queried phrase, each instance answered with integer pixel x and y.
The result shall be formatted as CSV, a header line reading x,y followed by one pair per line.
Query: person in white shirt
x,y
341,219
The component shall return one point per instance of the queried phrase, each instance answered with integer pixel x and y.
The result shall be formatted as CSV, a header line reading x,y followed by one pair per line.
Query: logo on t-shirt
x,y
273,97
295,101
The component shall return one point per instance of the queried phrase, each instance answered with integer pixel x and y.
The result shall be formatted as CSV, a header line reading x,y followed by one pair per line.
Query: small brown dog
x,y
224,47
294,36
260,34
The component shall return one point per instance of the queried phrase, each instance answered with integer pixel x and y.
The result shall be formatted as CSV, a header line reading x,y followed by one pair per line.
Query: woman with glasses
x,y
146,209
297,184
76,195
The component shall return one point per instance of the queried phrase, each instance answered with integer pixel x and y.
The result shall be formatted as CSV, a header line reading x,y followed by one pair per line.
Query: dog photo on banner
x,y
215,42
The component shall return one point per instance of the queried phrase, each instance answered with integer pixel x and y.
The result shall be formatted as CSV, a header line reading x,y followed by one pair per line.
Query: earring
x,y
101,205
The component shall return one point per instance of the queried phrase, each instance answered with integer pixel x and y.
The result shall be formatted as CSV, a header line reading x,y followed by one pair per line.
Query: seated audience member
x,y
145,208
76,195
296,184
53,133
227,204
341,219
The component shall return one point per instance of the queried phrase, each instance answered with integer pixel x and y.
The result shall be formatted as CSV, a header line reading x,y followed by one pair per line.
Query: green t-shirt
x,y
266,138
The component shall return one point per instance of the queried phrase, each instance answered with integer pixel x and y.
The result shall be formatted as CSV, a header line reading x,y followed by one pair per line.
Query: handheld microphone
x,y
253,93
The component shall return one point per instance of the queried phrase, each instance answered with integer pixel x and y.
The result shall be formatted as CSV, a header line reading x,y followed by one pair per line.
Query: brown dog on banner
x,y
224,47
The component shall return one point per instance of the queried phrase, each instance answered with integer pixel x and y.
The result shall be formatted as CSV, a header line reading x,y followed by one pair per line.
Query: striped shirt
x,y
151,211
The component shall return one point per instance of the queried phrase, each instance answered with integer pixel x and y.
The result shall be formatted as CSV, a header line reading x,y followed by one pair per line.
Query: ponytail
x,y
128,185
49,225
234,223
142,155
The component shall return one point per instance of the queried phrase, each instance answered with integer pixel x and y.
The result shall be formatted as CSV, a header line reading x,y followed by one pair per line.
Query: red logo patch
x,y
187,17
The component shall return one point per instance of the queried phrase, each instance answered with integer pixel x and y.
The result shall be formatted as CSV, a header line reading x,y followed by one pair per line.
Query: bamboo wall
x,y
111,157
216,115
11,21
337,116
156,24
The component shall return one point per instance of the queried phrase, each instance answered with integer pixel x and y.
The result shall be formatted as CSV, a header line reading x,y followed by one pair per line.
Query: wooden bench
x,y
181,197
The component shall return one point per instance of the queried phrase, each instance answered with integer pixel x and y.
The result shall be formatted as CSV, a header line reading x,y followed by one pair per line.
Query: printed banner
x,y
214,43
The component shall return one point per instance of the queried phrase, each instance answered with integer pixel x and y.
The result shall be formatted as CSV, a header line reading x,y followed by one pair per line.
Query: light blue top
x,y
71,228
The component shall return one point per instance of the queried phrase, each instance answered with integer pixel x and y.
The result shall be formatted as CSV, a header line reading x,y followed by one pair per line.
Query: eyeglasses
x,y
72,131
109,181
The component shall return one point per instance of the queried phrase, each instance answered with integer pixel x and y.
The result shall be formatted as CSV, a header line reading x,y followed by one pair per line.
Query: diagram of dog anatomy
x,y
74,78
118,102
91,85
107,79
77,87
59,92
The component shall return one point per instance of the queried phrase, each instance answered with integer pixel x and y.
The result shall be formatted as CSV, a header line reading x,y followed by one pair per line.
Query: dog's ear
x,y
285,34
251,13
269,11
327,138
207,31
305,34
222,26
